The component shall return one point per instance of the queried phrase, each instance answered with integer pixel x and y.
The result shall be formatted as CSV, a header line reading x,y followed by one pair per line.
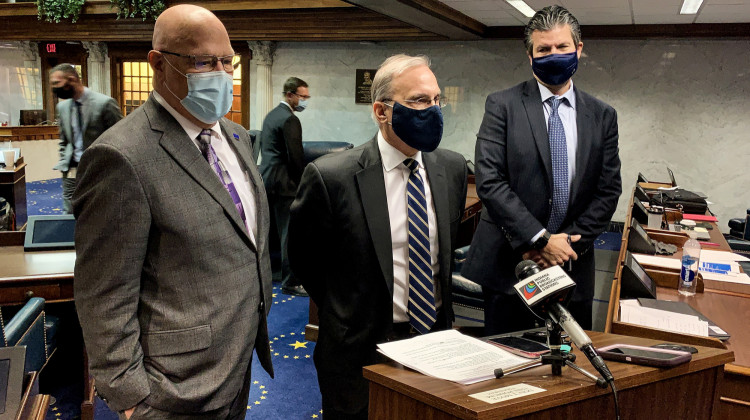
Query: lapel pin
x,y
236,136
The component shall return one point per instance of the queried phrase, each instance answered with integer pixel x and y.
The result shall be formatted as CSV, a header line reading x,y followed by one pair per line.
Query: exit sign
x,y
52,48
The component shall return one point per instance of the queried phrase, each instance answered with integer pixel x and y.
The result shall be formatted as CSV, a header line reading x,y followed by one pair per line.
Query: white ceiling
x,y
608,12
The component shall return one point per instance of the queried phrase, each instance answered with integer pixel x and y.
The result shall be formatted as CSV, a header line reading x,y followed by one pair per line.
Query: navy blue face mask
x,y
555,69
421,129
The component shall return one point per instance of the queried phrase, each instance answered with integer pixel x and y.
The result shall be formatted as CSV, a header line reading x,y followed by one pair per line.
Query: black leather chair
x,y
468,303
316,149
30,327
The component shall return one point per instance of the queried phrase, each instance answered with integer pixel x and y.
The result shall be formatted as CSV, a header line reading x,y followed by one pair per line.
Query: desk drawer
x,y
734,402
22,293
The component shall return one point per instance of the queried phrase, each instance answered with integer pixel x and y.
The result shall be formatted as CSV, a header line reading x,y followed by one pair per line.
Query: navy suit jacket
x,y
514,182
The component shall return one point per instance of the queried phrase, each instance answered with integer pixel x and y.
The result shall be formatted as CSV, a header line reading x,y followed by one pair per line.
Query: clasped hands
x,y
556,252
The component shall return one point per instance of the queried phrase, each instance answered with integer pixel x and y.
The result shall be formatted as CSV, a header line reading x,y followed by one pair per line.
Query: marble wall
x,y
681,103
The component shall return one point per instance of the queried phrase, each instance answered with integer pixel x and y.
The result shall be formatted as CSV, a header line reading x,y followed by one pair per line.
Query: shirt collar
x,y
393,157
287,104
190,128
570,95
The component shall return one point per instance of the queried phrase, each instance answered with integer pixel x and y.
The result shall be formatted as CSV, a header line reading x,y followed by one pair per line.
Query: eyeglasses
x,y
423,102
305,97
204,63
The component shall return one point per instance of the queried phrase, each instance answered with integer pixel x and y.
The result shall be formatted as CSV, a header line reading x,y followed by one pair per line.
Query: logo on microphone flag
x,y
530,290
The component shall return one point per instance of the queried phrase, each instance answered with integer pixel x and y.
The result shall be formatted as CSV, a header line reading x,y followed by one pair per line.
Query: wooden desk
x,y
687,391
729,310
29,132
13,189
45,274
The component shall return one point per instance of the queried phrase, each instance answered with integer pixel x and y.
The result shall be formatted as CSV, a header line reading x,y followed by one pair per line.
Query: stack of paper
x,y
722,266
633,313
452,356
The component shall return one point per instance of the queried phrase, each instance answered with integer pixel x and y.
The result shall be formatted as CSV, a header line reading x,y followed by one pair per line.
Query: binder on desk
x,y
714,330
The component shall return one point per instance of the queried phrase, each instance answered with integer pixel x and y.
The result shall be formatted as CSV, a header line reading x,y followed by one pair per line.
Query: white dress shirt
x,y
396,176
226,155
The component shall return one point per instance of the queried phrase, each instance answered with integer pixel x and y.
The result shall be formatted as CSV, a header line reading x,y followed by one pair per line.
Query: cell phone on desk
x,y
647,356
521,346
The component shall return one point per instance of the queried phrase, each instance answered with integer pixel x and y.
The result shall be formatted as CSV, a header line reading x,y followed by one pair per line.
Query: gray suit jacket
x,y
99,112
171,292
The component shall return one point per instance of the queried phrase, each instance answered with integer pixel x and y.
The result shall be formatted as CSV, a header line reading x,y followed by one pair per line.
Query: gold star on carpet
x,y
257,403
249,407
255,382
276,354
275,303
273,295
282,335
265,392
275,338
262,397
261,387
291,333
307,356
286,357
296,357
283,301
315,416
297,345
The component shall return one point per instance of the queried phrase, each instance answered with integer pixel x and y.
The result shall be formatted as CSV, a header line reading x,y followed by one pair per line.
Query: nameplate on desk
x,y
507,393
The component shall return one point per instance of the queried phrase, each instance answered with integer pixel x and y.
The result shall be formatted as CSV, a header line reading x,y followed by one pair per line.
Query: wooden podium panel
x,y
688,391
13,188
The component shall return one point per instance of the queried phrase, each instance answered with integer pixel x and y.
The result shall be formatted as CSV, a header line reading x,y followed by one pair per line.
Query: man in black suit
x,y
548,175
282,162
372,232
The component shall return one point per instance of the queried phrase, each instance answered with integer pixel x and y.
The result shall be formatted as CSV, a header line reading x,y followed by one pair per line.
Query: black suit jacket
x,y
282,157
514,182
340,247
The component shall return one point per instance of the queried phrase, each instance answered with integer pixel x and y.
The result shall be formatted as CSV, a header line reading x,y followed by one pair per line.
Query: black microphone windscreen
x,y
526,268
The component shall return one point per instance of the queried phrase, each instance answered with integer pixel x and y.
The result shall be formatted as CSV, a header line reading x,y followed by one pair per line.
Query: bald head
x,y
185,26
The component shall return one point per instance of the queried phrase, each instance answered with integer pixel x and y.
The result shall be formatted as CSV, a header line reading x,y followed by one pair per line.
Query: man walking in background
x,y
83,116
282,162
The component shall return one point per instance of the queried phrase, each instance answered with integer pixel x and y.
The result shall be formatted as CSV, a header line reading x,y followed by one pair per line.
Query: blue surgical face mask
x,y
421,129
555,69
301,105
209,95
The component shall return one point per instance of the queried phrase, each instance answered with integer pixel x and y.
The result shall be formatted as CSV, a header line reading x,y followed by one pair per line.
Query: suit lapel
x,y
439,189
245,157
584,128
87,106
177,144
371,186
535,112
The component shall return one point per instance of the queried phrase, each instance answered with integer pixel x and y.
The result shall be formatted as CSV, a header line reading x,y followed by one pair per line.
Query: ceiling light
x,y
524,8
690,7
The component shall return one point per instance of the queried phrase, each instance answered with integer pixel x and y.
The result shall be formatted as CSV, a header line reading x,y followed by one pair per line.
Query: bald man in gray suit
x,y
173,275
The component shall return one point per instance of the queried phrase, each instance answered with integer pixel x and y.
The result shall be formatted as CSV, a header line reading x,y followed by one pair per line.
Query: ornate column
x,y
33,64
98,67
263,52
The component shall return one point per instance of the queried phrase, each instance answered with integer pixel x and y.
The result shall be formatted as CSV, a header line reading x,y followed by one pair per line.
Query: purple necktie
x,y
210,154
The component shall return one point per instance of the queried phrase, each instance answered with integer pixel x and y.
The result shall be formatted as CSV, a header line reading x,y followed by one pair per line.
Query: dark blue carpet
x,y
293,394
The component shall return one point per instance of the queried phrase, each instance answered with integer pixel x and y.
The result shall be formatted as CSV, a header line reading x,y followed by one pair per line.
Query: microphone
x,y
543,291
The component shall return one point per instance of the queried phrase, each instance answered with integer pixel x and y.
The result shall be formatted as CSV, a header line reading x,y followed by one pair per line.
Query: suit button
x,y
261,306
550,201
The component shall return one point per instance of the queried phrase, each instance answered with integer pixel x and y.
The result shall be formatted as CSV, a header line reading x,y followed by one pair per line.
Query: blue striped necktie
x,y
210,154
422,312
559,150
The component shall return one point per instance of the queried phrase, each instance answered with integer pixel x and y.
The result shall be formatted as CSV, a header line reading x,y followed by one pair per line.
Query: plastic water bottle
x,y
691,252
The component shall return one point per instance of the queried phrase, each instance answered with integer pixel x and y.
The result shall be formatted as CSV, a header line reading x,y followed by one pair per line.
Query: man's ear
x,y
156,61
378,108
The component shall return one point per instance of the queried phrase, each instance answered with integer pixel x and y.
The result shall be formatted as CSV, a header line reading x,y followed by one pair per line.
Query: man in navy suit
x,y
548,175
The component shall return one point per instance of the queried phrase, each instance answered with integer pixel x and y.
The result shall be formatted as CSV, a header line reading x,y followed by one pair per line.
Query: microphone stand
x,y
558,359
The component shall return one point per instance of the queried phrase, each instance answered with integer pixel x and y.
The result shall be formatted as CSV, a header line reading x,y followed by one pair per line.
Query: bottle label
x,y
687,273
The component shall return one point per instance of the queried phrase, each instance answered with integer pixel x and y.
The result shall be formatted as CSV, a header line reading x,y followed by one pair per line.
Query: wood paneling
x,y
323,24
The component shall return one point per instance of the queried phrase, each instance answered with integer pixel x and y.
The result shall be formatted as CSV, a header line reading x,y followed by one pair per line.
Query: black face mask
x,y
63,92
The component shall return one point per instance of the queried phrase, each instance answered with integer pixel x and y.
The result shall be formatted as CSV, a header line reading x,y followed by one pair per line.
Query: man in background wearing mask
x,y
173,276
548,175
281,164
372,232
83,116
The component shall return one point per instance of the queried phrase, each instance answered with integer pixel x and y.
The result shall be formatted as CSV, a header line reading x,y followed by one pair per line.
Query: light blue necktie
x,y
559,150
422,312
